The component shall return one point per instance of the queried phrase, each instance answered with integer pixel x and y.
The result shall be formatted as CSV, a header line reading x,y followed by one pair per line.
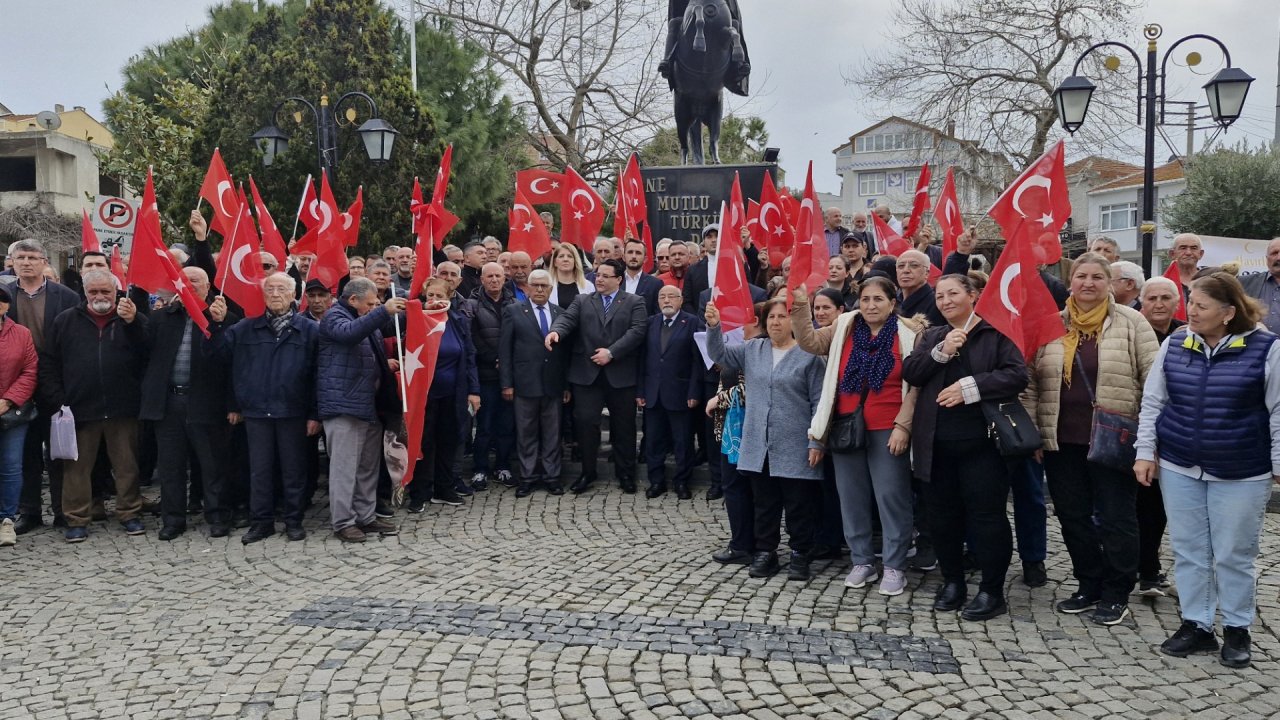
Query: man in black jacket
x,y
608,330
495,427
184,392
670,388
533,380
36,303
93,362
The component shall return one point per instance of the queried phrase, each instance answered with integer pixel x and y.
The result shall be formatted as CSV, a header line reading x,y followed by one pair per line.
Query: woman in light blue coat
x,y
784,385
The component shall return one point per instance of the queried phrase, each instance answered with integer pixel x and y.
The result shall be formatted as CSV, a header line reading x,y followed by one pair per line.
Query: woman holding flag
x,y
957,366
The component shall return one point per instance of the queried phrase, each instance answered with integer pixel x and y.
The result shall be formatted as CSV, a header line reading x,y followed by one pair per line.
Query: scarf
x,y
871,359
278,323
1080,324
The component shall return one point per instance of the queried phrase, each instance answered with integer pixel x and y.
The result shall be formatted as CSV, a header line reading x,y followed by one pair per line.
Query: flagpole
x,y
297,217
404,389
228,248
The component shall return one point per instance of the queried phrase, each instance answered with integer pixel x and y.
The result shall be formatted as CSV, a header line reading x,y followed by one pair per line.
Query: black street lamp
x,y
1226,92
376,134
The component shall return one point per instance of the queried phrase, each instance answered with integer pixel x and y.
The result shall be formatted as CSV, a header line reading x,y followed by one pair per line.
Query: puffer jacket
x,y
1126,348
351,363
486,330
18,363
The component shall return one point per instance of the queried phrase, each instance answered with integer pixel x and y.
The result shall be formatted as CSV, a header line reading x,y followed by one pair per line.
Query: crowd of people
x,y
866,414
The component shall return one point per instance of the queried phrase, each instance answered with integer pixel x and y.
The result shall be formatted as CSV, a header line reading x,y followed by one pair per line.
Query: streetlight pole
x,y
377,134
1226,92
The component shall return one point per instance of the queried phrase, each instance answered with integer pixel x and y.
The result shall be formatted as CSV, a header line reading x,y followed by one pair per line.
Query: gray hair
x,y
29,245
1161,280
293,284
1107,241
1128,271
378,264
357,287
540,275
97,275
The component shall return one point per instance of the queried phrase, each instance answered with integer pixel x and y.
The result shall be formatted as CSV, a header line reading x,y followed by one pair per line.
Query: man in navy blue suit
x,y
669,387
635,280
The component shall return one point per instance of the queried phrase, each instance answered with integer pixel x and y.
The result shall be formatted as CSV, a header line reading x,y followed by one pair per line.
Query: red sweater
x,y
883,405
17,363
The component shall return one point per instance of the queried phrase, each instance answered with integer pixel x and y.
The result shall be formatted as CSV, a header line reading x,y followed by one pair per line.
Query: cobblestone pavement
x,y
597,606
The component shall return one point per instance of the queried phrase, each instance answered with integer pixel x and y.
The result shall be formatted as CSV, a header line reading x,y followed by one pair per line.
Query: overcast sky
x,y
71,52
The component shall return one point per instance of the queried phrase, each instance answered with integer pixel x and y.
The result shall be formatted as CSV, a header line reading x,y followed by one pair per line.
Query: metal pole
x,y
326,137
1148,165
413,44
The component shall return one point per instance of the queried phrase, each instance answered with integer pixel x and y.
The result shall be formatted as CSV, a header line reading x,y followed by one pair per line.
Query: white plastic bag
x,y
62,436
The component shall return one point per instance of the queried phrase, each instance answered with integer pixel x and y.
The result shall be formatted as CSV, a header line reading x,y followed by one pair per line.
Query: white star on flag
x,y
528,226
412,363
1046,220
577,214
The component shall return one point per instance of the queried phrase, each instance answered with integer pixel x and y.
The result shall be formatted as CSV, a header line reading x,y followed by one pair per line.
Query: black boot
x,y
764,564
1235,647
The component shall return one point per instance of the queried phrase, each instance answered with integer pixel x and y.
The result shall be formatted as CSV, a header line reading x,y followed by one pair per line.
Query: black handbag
x,y
1113,436
849,432
1009,425
19,415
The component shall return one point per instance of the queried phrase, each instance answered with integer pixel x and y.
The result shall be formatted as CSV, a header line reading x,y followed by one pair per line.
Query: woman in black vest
x,y
1210,415
957,366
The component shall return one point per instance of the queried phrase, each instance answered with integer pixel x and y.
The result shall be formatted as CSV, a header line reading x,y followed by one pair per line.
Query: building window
x,y
871,183
17,174
1119,217
893,141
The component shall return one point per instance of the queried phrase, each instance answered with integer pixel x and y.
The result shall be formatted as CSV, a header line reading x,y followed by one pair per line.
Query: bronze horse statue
x,y
705,53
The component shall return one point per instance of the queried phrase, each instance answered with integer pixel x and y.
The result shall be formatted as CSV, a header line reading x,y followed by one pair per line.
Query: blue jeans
x,y
11,442
1213,531
495,429
1026,479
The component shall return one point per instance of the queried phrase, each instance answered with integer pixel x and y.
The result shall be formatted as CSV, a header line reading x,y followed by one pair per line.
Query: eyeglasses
x,y
276,290
540,286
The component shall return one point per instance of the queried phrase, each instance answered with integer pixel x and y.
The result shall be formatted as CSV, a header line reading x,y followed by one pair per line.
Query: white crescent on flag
x,y
346,221
533,186
237,263
584,193
521,207
316,209
949,211
764,218
1010,273
1033,181
224,186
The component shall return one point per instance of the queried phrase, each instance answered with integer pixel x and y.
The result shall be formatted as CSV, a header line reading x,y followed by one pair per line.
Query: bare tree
x,y
584,71
992,65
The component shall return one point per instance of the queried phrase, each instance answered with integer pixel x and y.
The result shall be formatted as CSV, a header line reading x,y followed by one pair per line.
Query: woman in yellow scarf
x,y
1103,359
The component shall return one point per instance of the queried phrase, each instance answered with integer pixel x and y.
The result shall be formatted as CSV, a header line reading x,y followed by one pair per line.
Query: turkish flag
x,y
239,272
1172,273
729,291
753,226
774,224
1017,303
631,187
1035,207
308,202
527,231
646,235
734,219
431,222
151,267
117,267
808,256
441,186
272,240
330,265
623,225
947,213
423,331
221,196
581,213
919,203
351,219
888,241
88,236
541,186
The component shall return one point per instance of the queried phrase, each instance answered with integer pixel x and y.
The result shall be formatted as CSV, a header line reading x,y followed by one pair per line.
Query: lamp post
x,y
1226,93
376,134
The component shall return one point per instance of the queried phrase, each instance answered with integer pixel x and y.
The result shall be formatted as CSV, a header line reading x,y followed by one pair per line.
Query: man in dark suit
x,y
670,388
698,277
533,379
636,281
608,330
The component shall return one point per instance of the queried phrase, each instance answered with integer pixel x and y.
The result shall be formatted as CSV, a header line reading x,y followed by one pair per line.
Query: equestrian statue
x,y
704,54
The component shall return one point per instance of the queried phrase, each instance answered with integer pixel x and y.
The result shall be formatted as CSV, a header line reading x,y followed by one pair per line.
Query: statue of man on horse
x,y
705,53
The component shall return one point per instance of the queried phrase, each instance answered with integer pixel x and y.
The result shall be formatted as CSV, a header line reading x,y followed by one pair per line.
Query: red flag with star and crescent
x,y
888,241
947,213
152,268
527,232
218,191
729,292
88,236
1030,212
351,219
327,240
808,256
423,332
541,186
272,240
239,272
631,202
919,203
774,224
581,213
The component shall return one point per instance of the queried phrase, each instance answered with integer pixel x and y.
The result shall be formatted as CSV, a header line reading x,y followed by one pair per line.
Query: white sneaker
x,y
8,538
894,582
860,576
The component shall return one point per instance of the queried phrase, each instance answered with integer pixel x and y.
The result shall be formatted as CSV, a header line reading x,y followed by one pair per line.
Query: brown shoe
x,y
350,534
382,527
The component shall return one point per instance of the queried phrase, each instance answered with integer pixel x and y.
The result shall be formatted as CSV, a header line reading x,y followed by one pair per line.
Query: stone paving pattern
x,y
131,627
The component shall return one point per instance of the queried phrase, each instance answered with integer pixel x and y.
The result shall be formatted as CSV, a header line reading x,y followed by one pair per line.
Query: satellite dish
x,y
48,120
